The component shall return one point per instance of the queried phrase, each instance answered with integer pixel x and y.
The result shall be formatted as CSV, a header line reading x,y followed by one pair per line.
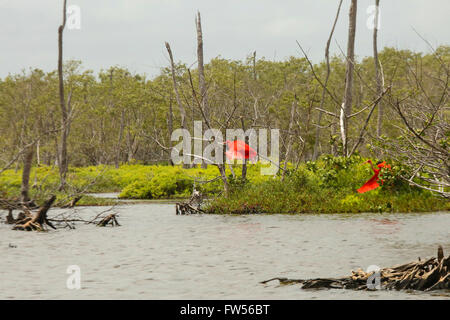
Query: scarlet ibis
x,y
372,183
238,149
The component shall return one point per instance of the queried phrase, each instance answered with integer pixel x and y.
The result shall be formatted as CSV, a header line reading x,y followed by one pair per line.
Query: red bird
x,y
238,149
372,183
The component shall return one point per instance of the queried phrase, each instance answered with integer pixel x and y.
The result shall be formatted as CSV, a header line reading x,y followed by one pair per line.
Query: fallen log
x,y
38,221
71,203
111,218
16,204
28,221
431,274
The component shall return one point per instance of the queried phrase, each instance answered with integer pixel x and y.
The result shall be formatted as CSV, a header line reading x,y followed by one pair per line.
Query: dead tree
x,y
341,116
220,166
346,108
37,221
290,133
201,72
324,91
170,127
27,162
378,78
244,164
62,158
72,203
109,219
177,93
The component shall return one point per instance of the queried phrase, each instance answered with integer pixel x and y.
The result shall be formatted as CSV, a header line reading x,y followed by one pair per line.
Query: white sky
x,y
131,33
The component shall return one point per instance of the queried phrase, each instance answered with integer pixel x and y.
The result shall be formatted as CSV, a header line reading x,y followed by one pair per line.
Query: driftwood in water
x,y
71,203
10,218
428,275
29,221
37,221
109,219
16,204
192,206
187,208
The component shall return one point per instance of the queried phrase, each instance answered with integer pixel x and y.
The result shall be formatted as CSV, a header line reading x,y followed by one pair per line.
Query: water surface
x,y
158,255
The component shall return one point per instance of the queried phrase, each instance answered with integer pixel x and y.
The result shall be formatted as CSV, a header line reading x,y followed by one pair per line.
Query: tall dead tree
x,y
122,119
377,68
201,71
324,90
27,162
177,94
346,107
170,126
221,165
62,158
290,135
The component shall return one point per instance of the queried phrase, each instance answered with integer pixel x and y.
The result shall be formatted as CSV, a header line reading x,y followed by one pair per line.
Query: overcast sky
x,y
131,33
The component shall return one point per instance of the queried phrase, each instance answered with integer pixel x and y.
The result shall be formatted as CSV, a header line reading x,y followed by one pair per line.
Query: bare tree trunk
x,y
201,72
27,161
254,66
38,155
132,146
322,101
346,108
37,221
177,95
63,163
291,124
377,69
170,127
119,138
223,175
244,164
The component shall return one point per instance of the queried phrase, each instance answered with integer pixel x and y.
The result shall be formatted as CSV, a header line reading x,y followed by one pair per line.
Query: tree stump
x,y
10,218
183,208
38,221
192,206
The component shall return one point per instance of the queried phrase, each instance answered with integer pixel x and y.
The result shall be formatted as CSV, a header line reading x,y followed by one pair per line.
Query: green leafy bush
x,y
327,185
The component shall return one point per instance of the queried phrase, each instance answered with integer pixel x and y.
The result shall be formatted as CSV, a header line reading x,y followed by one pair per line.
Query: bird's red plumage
x,y
372,183
239,150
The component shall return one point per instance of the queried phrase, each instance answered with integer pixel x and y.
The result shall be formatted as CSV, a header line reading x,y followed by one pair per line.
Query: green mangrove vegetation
x,y
327,185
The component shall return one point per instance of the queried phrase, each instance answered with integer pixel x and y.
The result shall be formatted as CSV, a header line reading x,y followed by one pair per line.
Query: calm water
x,y
158,255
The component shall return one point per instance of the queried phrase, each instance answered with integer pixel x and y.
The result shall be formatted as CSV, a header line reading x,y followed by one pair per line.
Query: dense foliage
x,y
329,186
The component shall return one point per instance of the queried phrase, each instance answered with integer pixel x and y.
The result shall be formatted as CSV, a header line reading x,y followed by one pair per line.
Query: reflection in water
x,y
158,255
385,225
